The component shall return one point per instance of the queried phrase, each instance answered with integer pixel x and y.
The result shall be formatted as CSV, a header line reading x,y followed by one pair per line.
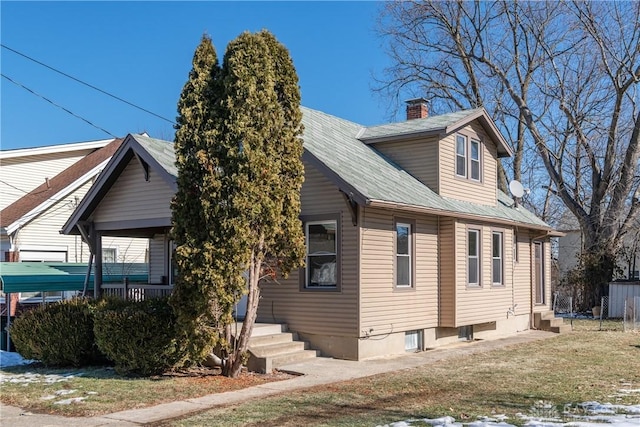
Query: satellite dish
x,y
517,190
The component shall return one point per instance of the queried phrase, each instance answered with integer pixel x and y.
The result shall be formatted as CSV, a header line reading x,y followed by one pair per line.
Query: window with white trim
x,y
461,156
474,160
497,274
473,257
468,158
322,254
403,255
109,255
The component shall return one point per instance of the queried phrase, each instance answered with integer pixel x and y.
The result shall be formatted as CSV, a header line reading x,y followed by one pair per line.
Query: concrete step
x,y
271,346
563,329
279,349
547,324
261,329
287,359
260,340
547,315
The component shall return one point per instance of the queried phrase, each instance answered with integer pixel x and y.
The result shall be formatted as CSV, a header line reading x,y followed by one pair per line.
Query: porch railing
x,y
135,291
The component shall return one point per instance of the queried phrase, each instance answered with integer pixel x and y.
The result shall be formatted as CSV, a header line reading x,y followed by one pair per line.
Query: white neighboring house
x,y
39,189
571,244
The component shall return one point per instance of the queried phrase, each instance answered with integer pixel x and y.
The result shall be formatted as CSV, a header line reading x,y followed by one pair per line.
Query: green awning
x,y
49,277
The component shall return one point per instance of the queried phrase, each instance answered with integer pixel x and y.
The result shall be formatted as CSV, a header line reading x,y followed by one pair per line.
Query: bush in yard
x,y
138,336
59,334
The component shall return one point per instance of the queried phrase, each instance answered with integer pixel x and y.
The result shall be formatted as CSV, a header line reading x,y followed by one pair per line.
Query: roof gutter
x,y
419,209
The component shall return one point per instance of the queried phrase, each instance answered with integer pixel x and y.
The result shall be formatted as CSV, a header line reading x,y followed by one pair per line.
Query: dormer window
x,y
468,158
461,156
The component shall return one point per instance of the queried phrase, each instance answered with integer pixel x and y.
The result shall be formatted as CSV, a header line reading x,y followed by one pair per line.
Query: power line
x,y
87,84
57,105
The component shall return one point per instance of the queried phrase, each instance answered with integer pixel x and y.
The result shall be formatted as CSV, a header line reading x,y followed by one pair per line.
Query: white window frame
x,y
473,142
497,261
413,341
477,257
308,256
115,254
408,255
466,157
461,138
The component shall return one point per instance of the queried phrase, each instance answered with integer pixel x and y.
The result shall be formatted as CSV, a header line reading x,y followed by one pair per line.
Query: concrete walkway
x,y
314,372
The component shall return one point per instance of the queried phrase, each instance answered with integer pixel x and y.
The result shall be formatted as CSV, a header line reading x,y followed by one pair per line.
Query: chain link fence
x,y
562,305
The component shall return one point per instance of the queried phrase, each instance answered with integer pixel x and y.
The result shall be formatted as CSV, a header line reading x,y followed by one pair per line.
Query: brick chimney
x,y
417,108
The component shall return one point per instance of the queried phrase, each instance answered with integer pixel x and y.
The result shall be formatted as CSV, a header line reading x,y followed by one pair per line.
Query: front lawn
x,y
536,379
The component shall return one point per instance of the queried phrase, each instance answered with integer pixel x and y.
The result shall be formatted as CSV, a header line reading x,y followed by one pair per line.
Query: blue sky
x,y
142,51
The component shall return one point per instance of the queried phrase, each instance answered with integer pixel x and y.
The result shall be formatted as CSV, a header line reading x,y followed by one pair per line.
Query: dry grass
x,y
586,365
105,391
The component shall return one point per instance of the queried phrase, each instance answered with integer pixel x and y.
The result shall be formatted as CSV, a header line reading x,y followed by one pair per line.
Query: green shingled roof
x,y
428,124
162,151
335,144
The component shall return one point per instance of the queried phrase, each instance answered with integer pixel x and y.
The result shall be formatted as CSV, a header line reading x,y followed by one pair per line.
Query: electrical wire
x,y
57,105
87,84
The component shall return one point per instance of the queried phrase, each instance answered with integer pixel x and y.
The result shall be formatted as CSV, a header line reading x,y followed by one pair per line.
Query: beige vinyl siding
x,y
133,198
23,174
128,250
418,157
383,307
486,303
447,310
318,311
157,255
43,231
484,192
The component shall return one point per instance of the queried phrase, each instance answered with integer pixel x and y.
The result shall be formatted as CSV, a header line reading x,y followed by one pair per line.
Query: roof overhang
x,y
50,149
454,214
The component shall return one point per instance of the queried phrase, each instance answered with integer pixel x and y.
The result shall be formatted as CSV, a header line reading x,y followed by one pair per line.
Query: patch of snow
x,y
69,401
9,358
587,414
64,392
31,378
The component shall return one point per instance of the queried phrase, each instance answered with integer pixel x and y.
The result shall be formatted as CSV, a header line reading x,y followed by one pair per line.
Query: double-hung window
x,y
461,156
473,257
322,254
403,255
497,276
474,160
468,158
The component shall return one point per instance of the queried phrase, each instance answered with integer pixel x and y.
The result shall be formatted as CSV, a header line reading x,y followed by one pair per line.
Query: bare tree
x,y
560,78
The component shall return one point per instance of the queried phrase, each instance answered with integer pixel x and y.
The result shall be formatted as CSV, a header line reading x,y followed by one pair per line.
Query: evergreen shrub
x,y
58,334
138,336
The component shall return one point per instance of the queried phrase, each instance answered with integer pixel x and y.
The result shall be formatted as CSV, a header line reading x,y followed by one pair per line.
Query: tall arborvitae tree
x,y
194,296
261,173
240,172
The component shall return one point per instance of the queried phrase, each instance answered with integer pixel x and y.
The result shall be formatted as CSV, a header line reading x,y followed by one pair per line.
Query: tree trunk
x,y
241,346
